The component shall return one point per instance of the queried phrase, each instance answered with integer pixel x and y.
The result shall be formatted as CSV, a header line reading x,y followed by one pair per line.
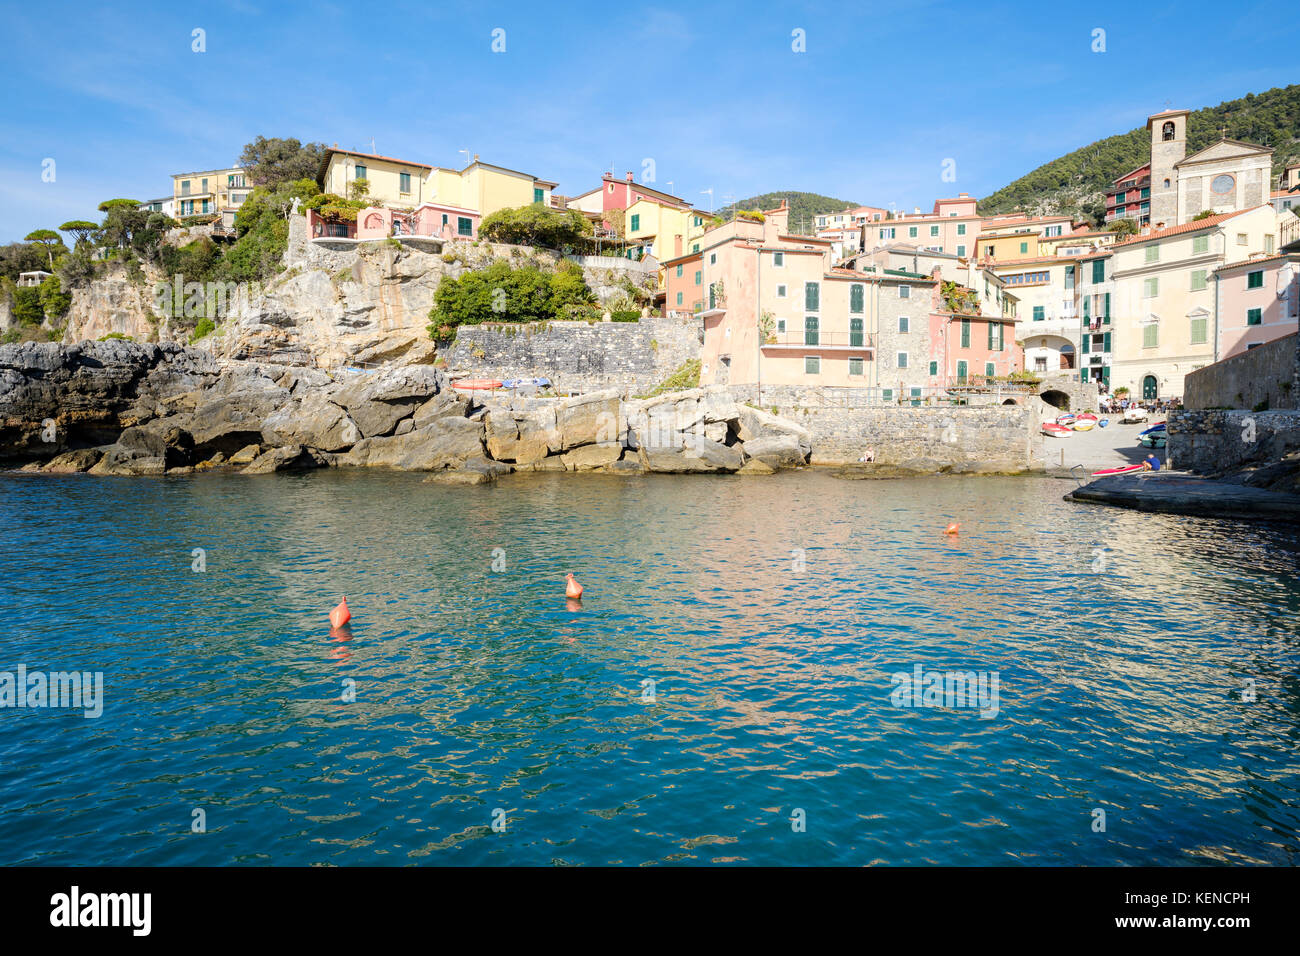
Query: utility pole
x,y
710,192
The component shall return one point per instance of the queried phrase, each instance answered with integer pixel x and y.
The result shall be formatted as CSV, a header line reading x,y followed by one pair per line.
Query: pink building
x,y
436,220
951,227
1258,300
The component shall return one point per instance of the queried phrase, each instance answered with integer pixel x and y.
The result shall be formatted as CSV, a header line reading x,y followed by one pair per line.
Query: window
x,y
1150,287
360,171
965,333
988,250
911,232
988,370
679,272
934,230
713,258
961,373
961,251
1150,336
856,298
1069,277
1039,313
1199,327
1153,253
636,221
811,335
812,297
185,187
780,291
1024,248
699,277
1200,244
464,226
1222,185
1255,280
1099,271
1198,279
206,205
903,325
679,298
904,291
916,396
204,187
1242,239
887,394
697,220
780,326
961,228
855,366
1254,316
1167,131
812,365
934,368
902,360
695,247
404,182
778,259
539,194
855,333
1268,243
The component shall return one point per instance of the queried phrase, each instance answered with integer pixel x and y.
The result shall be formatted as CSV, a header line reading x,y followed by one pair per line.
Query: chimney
x,y
476,157
629,177
963,195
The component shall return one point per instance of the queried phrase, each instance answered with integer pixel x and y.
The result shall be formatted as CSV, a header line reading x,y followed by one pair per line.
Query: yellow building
x,y
401,184
666,230
211,191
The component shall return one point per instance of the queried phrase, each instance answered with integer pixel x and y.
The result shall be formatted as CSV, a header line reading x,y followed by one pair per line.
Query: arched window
x,y
1167,131
1166,184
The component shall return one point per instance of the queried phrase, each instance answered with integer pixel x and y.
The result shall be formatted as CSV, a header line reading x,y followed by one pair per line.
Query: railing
x,y
1290,233
800,338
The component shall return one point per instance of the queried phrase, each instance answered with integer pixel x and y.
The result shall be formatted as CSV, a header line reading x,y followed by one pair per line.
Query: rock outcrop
x,y
120,408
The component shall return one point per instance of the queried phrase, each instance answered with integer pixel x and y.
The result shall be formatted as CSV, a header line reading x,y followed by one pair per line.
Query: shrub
x,y
625,315
535,225
204,327
500,293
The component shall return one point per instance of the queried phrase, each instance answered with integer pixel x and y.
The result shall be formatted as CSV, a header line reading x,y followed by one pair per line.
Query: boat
x,y
1158,427
526,383
1053,430
1065,419
1126,469
477,383
1103,422
1084,424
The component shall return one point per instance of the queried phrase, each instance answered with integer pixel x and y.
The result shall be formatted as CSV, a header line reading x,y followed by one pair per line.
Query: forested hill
x,y
803,206
1076,182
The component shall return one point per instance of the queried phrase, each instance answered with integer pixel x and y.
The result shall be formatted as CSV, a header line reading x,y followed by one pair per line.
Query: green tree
x,y
500,293
535,225
80,229
54,301
1124,227
47,238
275,161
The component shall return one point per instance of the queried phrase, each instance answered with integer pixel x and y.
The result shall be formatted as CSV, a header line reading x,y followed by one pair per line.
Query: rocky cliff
x,y
122,408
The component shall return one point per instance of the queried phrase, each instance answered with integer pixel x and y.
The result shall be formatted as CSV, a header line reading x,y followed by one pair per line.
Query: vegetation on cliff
x,y
503,293
536,225
804,207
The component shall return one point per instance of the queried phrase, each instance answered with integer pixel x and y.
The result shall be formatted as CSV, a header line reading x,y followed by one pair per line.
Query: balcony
x,y
838,341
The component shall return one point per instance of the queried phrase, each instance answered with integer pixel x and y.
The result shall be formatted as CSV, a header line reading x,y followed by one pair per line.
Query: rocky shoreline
x,y
123,408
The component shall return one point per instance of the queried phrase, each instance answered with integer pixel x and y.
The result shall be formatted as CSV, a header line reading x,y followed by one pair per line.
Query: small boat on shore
x,y
1065,419
1103,422
1053,430
1157,428
1124,470
477,383
1084,424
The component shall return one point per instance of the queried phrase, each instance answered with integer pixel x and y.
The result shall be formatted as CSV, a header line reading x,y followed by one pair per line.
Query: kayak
x,y
1052,430
1103,422
1157,428
1084,425
1118,471
476,383
525,382
1065,419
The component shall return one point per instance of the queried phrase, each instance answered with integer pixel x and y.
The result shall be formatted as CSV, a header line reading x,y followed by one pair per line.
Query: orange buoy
x,y
340,615
573,589
952,528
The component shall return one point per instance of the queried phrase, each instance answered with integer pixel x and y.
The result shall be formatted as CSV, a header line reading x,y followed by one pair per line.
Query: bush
x,y
54,301
535,225
27,308
625,315
203,328
501,293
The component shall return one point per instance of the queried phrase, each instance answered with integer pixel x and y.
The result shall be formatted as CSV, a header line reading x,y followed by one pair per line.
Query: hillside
x,y
803,206
1076,182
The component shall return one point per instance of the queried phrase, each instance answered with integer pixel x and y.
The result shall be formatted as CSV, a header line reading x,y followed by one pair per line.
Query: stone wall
x,y
1212,441
1266,374
578,356
993,437
1081,395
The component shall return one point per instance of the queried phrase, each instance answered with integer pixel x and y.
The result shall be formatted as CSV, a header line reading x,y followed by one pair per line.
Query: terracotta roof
x,y
388,159
1194,226
1293,256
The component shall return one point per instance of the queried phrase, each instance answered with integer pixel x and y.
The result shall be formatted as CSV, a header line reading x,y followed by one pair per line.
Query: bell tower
x,y
1168,146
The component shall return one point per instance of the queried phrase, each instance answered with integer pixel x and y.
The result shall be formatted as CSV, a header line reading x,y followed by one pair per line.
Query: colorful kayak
x,y
1084,425
1065,419
477,383
1052,430
1118,471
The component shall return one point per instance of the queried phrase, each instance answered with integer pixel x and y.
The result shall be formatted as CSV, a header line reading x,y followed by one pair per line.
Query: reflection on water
x,y
768,614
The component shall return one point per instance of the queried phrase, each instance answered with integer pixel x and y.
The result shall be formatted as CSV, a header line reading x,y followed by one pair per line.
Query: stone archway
x,y
1056,399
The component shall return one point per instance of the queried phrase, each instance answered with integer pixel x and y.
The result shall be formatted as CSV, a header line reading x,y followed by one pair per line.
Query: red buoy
x,y
573,589
952,528
340,615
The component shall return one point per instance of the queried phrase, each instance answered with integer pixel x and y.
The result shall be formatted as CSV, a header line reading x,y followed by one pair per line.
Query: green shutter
x,y
961,373
990,336
810,332
855,333
811,297
1253,316
1099,271
934,368
1105,342
1106,303
965,333
1087,339
855,298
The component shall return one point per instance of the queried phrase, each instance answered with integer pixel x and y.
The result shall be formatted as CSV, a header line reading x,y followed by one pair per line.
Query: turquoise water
x,y
476,691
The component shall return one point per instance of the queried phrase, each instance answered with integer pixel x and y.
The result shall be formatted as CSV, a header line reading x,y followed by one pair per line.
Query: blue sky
x,y
712,92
